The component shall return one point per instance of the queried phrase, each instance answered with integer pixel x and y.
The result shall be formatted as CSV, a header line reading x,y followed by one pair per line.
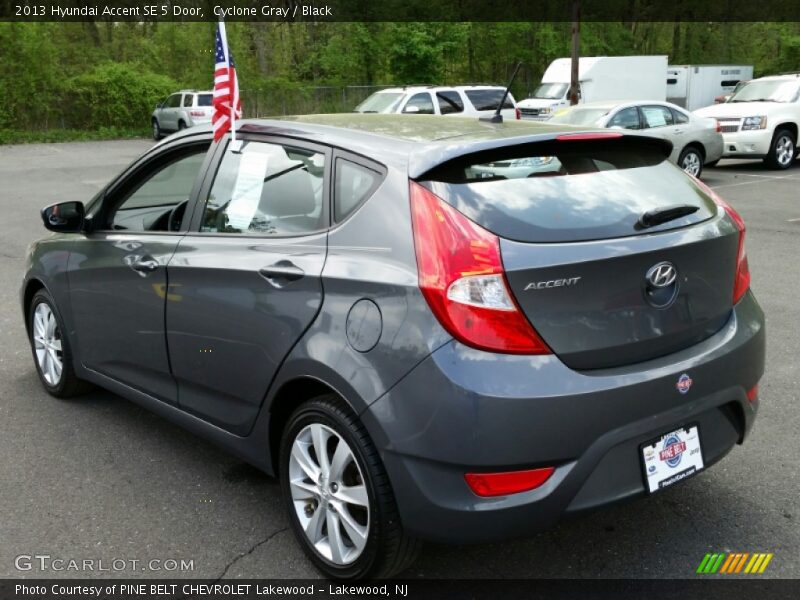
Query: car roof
x,y
782,77
420,141
436,88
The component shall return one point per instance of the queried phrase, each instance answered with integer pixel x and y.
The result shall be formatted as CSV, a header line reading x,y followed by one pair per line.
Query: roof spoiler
x,y
497,117
435,156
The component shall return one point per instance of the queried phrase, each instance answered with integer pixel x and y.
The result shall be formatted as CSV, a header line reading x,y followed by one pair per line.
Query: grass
x,y
14,136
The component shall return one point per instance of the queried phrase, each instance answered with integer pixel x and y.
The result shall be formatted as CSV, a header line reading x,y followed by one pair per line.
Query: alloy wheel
x,y
784,150
329,494
691,163
48,344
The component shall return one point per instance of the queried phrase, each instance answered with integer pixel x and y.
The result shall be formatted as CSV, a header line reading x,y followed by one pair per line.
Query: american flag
x,y
226,87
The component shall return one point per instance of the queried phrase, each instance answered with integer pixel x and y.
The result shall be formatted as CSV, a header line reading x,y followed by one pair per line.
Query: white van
x,y
601,78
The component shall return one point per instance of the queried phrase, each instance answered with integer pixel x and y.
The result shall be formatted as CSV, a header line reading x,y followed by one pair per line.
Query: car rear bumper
x,y
463,410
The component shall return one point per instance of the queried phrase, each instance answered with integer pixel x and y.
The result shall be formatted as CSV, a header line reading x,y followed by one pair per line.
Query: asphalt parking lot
x,y
100,478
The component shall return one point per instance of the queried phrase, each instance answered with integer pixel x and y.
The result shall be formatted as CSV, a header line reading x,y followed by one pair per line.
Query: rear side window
x,y
681,118
353,185
567,191
267,189
449,102
488,99
188,100
204,99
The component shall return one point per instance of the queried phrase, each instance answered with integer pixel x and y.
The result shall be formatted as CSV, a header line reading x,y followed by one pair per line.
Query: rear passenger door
x,y
658,120
245,281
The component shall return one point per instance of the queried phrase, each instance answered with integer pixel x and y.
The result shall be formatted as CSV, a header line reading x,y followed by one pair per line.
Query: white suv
x,y
459,101
180,110
761,120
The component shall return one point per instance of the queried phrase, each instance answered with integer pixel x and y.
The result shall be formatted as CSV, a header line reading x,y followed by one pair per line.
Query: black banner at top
x,y
401,10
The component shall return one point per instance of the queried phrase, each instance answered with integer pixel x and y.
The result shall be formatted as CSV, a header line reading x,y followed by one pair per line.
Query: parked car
x,y
459,101
696,141
180,110
417,351
761,120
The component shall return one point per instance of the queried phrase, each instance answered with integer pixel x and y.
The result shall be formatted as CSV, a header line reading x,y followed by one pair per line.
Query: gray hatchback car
x,y
421,343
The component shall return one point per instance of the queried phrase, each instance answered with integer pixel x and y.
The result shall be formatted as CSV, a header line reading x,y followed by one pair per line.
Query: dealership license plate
x,y
672,457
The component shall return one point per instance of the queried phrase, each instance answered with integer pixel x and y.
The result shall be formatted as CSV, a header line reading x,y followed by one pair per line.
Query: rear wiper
x,y
663,215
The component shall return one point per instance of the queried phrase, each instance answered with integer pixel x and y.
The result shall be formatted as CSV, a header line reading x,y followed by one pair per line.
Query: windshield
x,y
551,91
380,102
579,116
775,90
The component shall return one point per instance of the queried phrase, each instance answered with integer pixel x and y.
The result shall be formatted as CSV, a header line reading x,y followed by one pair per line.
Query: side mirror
x,y
159,105
64,217
411,109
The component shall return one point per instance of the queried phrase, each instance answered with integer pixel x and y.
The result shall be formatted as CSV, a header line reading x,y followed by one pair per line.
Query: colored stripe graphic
x,y
724,563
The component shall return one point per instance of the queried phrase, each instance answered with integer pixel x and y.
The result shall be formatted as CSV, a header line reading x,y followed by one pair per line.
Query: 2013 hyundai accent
x,y
420,342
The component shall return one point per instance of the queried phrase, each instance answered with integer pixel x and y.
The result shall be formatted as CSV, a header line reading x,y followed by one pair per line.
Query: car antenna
x,y
497,117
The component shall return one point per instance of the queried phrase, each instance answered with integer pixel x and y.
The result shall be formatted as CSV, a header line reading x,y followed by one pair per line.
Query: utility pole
x,y
576,50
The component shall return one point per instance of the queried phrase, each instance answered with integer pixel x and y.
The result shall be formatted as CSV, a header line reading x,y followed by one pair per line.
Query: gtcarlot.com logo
x,y
733,563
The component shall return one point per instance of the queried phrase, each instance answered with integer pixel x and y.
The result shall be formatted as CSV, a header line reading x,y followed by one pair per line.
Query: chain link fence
x,y
302,100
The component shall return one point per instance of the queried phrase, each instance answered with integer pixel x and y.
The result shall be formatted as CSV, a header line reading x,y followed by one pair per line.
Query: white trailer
x,y
696,86
600,78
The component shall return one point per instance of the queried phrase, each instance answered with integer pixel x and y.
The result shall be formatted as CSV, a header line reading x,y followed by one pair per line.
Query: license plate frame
x,y
657,472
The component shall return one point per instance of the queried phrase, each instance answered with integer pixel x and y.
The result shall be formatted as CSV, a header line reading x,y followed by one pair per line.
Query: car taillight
x,y
502,484
517,114
741,282
752,393
462,278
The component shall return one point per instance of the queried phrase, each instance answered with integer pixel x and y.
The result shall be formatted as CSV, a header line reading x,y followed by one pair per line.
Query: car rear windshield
x,y
488,99
569,191
204,99
379,102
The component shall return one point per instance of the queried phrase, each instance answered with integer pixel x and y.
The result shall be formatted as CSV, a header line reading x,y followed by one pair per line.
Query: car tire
x,y
52,354
157,134
691,161
370,541
782,150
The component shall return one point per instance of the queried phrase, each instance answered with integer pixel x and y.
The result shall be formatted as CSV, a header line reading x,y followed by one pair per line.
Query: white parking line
x,y
773,178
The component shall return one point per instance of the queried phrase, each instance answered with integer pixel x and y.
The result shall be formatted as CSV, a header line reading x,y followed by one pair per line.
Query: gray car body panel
x,y
433,407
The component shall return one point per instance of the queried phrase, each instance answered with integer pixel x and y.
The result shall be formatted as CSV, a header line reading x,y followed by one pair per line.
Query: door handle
x,y
283,270
144,265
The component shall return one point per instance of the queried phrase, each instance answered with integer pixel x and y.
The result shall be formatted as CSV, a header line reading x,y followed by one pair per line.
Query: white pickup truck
x,y
761,120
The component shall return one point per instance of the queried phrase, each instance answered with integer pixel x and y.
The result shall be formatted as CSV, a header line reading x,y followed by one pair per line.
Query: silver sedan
x,y
696,141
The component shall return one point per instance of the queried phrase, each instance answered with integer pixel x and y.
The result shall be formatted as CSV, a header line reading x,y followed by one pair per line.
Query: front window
x,y
775,90
627,118
150,205
380,102
550,91
420,104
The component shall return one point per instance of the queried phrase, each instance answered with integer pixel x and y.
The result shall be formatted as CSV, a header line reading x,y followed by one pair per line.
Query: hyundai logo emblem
x,y
662,275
